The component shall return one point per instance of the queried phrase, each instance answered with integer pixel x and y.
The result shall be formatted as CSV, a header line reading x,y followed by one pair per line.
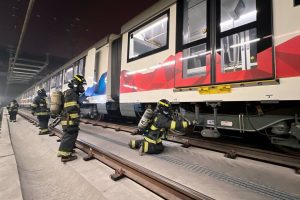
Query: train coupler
x,y
119,174
231,154
89,156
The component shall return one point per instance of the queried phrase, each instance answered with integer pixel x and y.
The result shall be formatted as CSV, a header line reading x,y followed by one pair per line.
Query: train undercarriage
x,y
278,121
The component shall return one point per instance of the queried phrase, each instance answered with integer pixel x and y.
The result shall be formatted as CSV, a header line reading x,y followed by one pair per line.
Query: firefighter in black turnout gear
x,y
159,124
13,110
39,108
70,118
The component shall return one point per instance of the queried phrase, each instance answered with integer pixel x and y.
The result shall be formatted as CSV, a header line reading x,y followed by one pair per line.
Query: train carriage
x,y
227,64
233,62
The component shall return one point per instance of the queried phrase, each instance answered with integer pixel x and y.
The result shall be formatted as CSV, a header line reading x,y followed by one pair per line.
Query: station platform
x,y
43,176
10,187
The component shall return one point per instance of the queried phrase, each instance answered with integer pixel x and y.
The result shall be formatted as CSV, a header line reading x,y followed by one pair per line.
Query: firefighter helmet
x,y
42,92
164,106
77,83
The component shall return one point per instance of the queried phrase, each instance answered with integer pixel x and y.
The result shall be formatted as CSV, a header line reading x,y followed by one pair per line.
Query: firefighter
x,y
70,118
13,110
39,108
158,125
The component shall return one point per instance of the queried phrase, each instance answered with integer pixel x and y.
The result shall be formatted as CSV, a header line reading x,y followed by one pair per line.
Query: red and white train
x,y
228,64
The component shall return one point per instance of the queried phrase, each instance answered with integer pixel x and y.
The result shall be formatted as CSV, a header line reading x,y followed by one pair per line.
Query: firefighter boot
x,y
68,158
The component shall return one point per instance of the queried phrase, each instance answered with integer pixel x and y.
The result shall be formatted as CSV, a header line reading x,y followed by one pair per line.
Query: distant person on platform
x,y
13,110
70,118
158,124
39,108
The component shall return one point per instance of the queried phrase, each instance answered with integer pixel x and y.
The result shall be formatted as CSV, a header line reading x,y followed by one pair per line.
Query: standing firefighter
x,y
160,122
70,118
13,111
39,108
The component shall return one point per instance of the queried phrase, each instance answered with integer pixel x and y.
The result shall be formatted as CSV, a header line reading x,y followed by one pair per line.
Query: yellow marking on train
x,y
215,89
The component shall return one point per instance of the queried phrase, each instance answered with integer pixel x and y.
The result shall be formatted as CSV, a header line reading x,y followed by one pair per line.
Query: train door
x,y
114,70
243,41
223,41
193,44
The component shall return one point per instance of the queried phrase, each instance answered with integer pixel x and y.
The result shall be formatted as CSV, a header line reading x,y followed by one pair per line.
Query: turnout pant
x,y
67,143
43,122
13,116
147,147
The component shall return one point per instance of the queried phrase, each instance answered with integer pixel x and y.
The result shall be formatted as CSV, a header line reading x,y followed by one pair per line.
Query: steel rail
x,y
154,182
230,150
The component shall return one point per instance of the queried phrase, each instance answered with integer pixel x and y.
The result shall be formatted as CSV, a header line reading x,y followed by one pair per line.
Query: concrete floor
x,y
10,188
44,177
205,171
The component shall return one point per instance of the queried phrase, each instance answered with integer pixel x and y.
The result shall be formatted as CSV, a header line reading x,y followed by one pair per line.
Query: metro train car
x,y
225,64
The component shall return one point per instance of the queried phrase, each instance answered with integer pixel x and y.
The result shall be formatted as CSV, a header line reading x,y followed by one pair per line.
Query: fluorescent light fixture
x,y
244,43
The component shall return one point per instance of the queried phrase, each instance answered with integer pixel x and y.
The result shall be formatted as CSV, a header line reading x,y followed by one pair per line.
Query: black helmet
x,y
164,106
15,101
42,92
77,83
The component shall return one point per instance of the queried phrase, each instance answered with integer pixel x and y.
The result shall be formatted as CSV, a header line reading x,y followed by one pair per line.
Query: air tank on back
x,y
56,103
145,120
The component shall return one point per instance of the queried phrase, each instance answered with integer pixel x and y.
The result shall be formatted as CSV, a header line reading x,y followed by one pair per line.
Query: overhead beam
x,y
25,24
14,72
25,69
29,60
29,65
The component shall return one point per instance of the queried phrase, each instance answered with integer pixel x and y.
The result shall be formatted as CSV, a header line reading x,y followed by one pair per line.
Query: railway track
x,y
230,150
156,183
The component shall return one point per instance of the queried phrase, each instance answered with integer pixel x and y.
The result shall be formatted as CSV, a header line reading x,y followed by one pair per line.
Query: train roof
x,y
145,15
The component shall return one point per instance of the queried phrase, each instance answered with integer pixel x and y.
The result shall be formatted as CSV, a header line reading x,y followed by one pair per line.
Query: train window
x,y
194,61
59,79
97,66
149,38
235,13
81,66
194,20
68,74
76,68
53,82
296,2
239,51
44,85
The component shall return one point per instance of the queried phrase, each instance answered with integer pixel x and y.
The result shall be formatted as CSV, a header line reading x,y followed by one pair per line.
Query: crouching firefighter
x,y
39,108
156,124
13,110
70,118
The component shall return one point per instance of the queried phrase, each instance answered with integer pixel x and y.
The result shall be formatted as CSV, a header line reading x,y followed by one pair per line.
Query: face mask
x,y
81,89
